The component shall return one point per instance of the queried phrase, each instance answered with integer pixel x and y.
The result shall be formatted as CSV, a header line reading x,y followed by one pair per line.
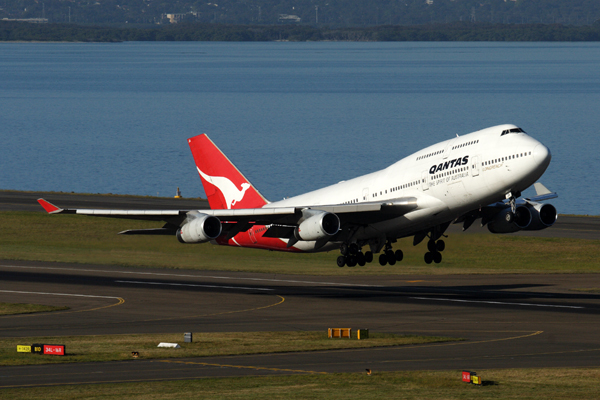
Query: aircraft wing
x,y
239,220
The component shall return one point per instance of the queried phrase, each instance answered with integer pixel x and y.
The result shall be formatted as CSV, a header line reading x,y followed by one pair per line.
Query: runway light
x,y
135,354
368,371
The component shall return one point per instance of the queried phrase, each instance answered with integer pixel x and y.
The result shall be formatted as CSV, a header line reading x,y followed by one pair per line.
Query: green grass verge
x,y
531,384
12,308
119,347
80,239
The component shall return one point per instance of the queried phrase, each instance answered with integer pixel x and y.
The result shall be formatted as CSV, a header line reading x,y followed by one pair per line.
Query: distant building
x,y
289,18
174,18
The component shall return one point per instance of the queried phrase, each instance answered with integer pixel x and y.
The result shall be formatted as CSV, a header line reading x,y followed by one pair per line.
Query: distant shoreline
x,y
23,32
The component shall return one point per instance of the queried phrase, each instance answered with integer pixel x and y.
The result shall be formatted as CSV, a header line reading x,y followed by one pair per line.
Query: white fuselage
x,y
448,179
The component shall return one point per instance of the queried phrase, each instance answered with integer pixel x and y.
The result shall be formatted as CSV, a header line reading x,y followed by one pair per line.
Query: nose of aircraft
x,y
541,154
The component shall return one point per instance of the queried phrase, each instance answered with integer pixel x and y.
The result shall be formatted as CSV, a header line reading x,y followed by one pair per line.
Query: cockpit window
x,y
513,130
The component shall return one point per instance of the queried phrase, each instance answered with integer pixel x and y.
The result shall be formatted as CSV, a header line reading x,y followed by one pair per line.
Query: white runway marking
x,y
495,302
192,285
60,294
197,276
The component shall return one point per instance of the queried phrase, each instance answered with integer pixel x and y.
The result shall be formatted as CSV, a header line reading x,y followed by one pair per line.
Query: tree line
x,y
21,31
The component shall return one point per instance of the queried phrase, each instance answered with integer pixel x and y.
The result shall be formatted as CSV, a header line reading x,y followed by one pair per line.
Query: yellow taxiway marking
x,y
219,313
119,302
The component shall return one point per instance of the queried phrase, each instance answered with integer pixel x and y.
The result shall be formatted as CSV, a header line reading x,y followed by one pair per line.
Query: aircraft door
x,y
365,194
424,183
475,166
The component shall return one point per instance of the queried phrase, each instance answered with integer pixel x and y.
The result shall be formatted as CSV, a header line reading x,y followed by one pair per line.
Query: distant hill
x,y
332,13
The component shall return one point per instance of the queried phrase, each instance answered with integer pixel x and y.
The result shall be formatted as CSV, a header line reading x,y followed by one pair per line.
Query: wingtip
x,y
49,207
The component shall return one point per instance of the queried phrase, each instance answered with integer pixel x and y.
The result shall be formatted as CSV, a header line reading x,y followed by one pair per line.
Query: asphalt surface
x,y
508,321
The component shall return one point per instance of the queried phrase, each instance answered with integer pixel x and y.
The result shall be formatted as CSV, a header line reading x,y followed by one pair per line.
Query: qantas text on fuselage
x,y
478,176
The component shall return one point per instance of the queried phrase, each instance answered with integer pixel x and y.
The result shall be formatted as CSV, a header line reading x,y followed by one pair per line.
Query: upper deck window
x,y
513,130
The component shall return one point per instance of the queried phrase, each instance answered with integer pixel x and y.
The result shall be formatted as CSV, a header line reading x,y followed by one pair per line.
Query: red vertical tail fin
x,y
225,186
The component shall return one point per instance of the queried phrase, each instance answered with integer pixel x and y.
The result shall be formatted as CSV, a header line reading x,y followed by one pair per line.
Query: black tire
x,y
351,261
399,255
440,245
391,257
344,249
428,258
360,258
431,246
437,257
341,261
382,259
369,257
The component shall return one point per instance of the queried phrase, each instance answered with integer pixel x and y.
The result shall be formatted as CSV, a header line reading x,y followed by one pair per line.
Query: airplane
x,y
479,175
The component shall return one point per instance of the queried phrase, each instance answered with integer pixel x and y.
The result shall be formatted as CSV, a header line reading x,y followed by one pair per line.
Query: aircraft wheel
x,y
353,248
344,249
399,255
391,257
361,259
440,245
382,259
341,261
351,261
369,256
509,217
437,257
428,257
431,246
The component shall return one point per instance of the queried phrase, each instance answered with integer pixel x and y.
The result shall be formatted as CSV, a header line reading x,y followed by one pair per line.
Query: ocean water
x,y
293,117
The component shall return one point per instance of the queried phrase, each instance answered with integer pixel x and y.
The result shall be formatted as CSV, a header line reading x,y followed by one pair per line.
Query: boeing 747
x,y
478,176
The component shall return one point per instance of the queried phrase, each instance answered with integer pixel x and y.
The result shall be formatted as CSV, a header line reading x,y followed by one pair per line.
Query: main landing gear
x,y
352,255
435,251
390,256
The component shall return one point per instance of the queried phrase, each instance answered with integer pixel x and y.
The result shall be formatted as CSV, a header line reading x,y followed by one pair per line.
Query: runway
x,y
508,321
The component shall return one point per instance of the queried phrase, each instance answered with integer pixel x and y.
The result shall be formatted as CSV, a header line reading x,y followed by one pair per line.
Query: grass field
x,y
119,347
81,239
534,384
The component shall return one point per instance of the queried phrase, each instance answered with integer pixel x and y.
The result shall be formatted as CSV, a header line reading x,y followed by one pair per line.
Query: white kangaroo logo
x,y
231,193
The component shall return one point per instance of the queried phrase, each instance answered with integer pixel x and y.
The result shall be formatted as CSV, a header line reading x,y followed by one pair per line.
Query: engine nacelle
x,y
507,222
318,226
201,229
543,216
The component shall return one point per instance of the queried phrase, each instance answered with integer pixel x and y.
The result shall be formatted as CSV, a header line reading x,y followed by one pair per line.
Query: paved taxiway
x,y
508,321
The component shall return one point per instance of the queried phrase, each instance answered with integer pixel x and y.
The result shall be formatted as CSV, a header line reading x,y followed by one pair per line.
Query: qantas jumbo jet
x,y
476,176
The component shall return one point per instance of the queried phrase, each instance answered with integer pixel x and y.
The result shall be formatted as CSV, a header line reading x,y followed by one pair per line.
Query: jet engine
x,y
201,229
318,226
528,217
543,216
